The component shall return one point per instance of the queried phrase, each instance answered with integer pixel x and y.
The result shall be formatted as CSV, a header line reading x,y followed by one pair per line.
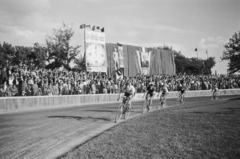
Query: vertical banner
x,y
145,61
95,49
119,60
120,56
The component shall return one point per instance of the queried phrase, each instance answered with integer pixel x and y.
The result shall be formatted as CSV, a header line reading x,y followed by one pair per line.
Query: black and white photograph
x,y
119,79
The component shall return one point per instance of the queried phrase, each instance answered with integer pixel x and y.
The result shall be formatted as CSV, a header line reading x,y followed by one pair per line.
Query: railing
x,y
10,104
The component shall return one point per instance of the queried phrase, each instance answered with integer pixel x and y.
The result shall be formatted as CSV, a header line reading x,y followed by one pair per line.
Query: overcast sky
x,y
182,24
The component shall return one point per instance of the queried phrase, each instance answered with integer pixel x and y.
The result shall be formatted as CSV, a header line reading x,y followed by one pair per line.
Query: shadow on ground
x,y
108,111
235,98
80,118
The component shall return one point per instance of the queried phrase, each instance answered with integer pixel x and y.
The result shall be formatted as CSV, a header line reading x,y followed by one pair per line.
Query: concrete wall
x,y
10,104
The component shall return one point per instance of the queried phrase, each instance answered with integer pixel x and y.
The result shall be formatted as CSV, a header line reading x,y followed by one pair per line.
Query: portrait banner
x,y
95,50
145,59
120,56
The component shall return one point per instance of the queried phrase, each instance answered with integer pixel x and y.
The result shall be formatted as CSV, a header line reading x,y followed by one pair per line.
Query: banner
x,y
120,56
96,59
145,61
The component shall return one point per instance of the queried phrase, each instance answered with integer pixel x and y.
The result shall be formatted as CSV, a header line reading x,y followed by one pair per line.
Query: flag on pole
x,y
206,52
195,49
82,26
98,27
102,30
88,26
93,28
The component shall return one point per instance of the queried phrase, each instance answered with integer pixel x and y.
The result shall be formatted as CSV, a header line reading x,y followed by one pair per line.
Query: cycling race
x,y
119,79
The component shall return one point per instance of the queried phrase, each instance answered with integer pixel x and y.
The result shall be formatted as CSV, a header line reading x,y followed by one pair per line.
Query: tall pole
x,y
85,49
197,53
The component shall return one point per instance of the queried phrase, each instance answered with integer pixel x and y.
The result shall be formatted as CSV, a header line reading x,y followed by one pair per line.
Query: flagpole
x,y
197,53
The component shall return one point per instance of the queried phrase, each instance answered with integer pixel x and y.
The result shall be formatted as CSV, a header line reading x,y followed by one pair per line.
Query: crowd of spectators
x,y
25,81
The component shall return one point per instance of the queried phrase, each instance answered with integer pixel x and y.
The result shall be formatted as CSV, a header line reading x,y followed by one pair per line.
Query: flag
x,y
87,26
119,44
102,30
206,52
82,26
196,49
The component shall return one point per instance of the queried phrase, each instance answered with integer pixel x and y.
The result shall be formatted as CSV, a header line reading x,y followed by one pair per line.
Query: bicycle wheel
x,y
144,107
127,111
162,102
182,100
149,105
119,113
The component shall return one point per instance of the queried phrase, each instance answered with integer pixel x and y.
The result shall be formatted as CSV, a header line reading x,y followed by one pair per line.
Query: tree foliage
x,y
61,53
191,65
80,64
232,53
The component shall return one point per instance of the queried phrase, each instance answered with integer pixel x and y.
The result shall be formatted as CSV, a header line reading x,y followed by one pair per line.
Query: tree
x,y
40,55
208,65
7,53
232,53
80,64
191,65
22,55
59,49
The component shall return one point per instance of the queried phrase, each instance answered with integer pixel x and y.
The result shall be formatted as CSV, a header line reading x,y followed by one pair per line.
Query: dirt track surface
x,y
33,134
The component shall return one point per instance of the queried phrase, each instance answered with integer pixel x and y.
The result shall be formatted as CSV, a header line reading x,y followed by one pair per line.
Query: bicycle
x,y
146,105
180,99
162,101
123,109
215,95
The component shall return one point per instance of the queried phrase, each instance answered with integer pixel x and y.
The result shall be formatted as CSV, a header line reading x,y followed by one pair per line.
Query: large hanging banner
x,y
120,56
120,61
145,61
96,59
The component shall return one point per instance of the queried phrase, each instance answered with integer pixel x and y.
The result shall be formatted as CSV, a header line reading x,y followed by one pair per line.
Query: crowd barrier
x,y
10,104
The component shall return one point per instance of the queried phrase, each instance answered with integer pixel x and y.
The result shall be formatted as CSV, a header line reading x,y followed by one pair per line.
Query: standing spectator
x,y
35,91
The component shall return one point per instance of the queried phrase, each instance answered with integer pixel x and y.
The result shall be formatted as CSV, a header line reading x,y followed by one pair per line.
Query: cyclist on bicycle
x,y
182,92
129,92
164,92
149,94
214,92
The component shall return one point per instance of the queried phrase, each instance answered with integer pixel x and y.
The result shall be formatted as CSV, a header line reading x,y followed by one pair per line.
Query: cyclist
x,y
164,93
182,92
149,94
129,92
214,92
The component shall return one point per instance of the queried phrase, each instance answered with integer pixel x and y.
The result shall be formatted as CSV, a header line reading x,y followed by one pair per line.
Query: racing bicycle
x,y
215,95
162,101
123,109
146,105
180,99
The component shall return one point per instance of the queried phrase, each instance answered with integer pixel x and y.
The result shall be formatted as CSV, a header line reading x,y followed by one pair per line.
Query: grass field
x,y
206,129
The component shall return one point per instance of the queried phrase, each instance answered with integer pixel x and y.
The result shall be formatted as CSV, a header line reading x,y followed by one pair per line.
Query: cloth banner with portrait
x,y
145,62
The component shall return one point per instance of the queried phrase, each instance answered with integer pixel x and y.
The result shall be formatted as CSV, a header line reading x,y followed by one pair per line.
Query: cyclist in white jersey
x,y
164,91
129,92
164,94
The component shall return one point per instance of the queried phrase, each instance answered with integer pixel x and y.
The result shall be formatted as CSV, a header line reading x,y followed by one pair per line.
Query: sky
x,y
182,24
